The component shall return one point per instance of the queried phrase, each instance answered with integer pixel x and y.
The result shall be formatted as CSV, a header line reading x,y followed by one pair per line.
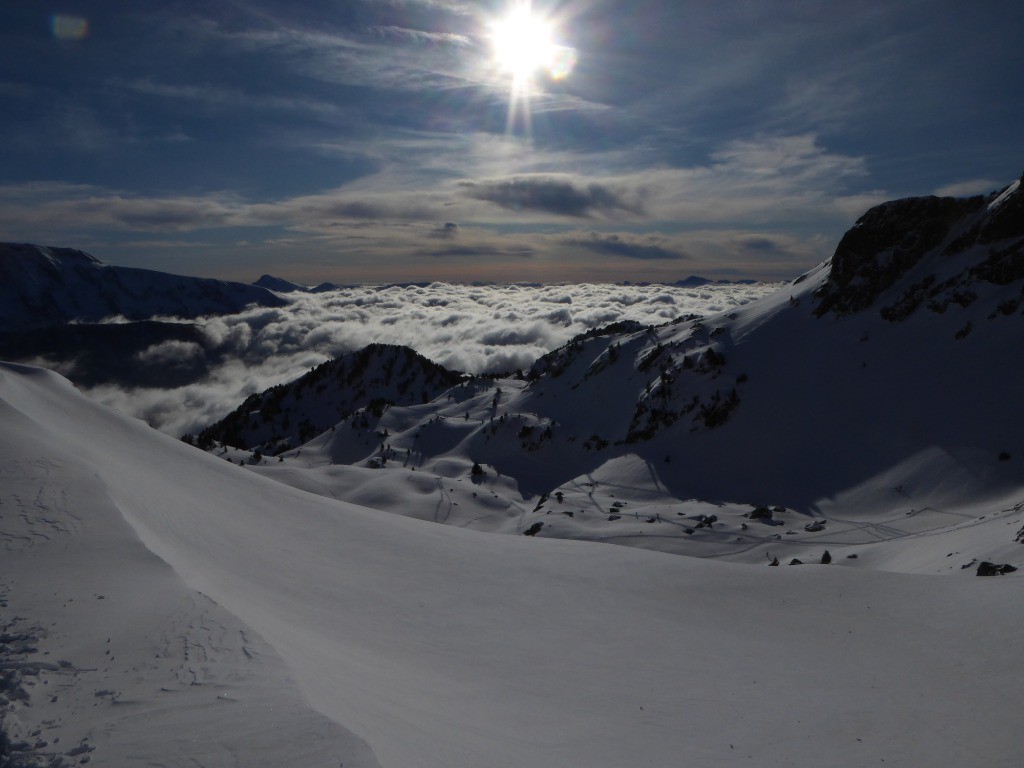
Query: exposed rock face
x,y
884,243
992,569
893,238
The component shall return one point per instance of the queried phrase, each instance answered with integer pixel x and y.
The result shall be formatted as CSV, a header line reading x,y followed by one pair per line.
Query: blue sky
x,y
381,140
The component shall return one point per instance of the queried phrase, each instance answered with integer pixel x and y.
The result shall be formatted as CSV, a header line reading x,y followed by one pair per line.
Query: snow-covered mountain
x,y
42,286
815,403
936,249
370,380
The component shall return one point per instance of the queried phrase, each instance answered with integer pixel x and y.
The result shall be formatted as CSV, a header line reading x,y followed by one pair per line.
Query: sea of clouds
x,y
475,329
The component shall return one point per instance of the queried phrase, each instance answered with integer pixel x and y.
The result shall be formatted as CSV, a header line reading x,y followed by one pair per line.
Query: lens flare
x,y
562,63
69,27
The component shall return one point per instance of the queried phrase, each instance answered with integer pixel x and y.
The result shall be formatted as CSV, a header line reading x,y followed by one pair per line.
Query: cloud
x,y
474,328
765,244
401,58
799,160
625,245
227,99
969,188
446,231
380,226
421,36
555,195
171,353
476,251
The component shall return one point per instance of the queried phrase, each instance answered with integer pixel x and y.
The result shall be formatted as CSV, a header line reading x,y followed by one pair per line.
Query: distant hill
x,y
281,285
42,286
696,281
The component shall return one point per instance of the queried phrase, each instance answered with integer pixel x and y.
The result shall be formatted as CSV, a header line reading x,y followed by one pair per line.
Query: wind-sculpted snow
x,y
475,329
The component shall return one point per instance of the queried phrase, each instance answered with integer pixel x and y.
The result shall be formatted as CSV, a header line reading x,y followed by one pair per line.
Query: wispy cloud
x,y
969,188
402,210
227,99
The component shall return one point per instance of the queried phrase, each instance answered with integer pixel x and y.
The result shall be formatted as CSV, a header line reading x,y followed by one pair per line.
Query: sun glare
x,y
523,43
523,47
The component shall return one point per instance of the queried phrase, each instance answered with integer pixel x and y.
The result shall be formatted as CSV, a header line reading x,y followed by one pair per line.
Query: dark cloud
x,y
762,244
616,245
459,244
553,195
477,250
447,230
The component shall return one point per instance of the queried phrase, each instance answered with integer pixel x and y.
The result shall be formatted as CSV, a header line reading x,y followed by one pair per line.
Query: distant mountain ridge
x,y
43,286
280,285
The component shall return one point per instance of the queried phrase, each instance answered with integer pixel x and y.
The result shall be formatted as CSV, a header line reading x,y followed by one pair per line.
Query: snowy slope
x,y
445,647
105,654
41,286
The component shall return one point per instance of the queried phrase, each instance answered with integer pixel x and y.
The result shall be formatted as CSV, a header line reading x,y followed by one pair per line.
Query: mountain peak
x,y
278,284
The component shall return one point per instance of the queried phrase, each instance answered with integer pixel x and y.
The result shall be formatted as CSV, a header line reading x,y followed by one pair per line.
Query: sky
x,y
413,140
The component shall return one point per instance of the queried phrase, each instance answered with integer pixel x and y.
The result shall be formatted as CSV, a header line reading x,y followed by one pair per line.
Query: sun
x,y
524,43
524,47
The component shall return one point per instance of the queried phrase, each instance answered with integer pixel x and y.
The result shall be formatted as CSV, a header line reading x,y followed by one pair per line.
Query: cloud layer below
x,y
476,329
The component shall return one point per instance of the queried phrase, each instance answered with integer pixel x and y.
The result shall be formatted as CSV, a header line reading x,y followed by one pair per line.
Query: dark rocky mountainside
x,y
952,242
290,414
